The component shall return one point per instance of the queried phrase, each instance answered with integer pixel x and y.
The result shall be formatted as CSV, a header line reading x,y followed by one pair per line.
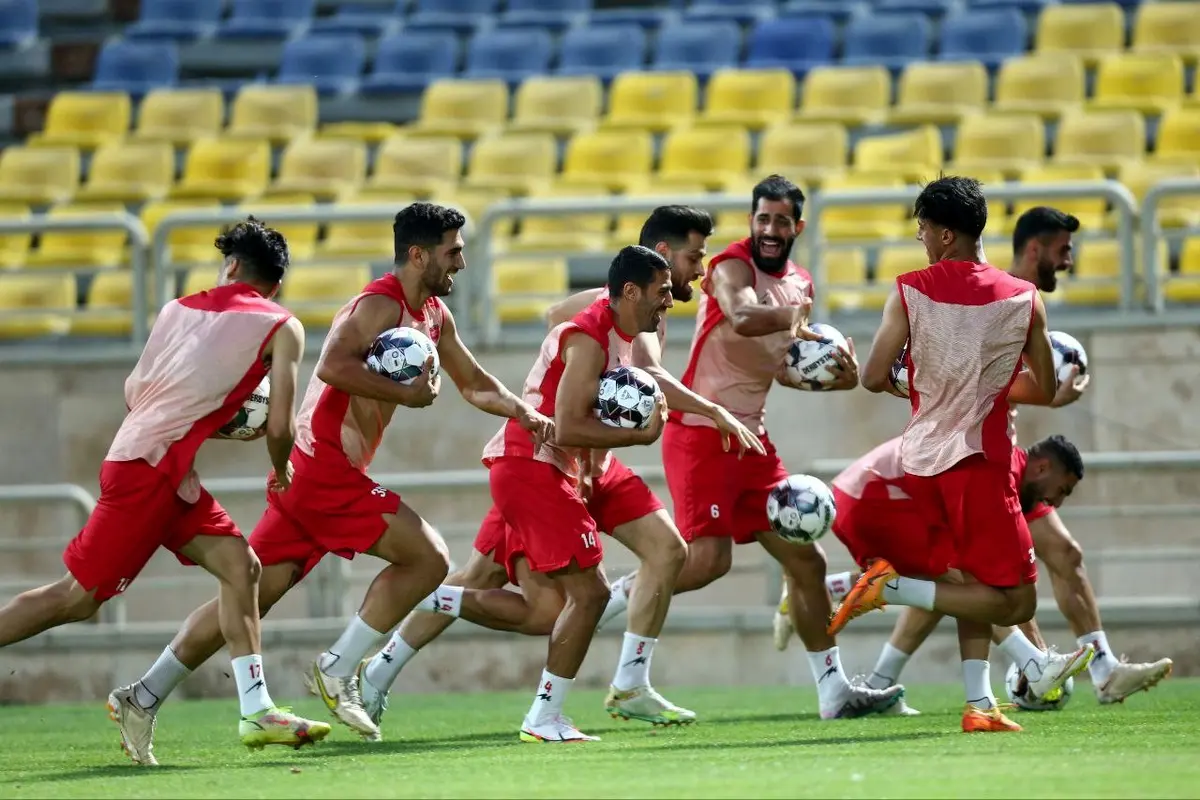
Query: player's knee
x,y
667,553
589,593
708,560
1022,605
75,604
1068,560
807,562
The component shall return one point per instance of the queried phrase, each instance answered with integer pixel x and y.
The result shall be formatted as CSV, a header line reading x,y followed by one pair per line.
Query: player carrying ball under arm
x,y
206,354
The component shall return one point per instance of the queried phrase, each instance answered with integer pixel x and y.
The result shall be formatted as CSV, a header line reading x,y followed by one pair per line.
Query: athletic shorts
x,y
884,524
139,510
496,540
714,492
327,509
551,523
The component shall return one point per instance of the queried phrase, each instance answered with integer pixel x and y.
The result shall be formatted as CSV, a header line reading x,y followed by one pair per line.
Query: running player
x,y
178,395
333,507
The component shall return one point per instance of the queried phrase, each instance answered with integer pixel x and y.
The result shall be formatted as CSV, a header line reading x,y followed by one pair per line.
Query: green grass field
x,y
751,743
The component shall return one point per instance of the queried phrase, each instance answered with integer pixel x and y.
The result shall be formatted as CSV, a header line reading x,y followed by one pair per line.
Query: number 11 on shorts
x,y
589,539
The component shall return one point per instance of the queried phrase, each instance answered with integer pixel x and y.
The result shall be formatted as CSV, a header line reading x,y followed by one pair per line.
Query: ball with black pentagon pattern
x,y
625,398
801,509
400,354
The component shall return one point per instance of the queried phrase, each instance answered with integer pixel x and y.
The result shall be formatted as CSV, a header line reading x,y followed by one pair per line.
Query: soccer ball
x,y
252,416
800,509
808,363
899,376
1023,701
626,397
1067,351
400,354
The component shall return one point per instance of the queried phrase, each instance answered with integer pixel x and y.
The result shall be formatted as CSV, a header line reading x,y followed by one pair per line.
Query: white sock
x,y
159,681
341,660
447,600
384,668
548,702
251,685
839,585
829,676
978,683
618,598
633,669
1104,662
1024,654
888,668
910,592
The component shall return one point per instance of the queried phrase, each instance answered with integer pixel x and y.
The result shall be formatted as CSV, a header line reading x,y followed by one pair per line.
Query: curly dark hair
x,y
423,225
262,251
955,203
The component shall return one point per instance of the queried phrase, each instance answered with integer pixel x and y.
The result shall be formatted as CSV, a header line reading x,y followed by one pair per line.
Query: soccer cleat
x,y
861,700
1127,679
280,726
867,595
136,726
557,729
900,709
1045,680
987,720
375,702
618,601
645,704
341,696
783,622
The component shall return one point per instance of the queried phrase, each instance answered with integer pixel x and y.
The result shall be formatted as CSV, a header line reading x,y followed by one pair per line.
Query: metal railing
x,y
1152,234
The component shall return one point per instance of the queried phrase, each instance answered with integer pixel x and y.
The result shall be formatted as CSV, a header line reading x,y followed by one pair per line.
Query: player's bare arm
x,y
575,423
733,288
286,349
1025,390
1039,355
342,364
887,346
565,310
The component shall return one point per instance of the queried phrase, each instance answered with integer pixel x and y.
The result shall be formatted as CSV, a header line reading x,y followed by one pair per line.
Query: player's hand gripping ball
x,y
809,363
899,374
400,354
251,418
801,509
626,398
1067,351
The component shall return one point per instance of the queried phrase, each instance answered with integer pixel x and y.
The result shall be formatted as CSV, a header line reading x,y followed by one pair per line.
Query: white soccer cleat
x,y
618,601
645,704
374,701
1127,679
1050,675
136,726
554,730
341,696
900,709
782,622
860,700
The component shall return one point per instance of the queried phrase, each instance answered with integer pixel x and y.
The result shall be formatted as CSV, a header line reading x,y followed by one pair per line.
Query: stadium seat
x,y
229,169
998,217
180,116
1024,6
1168,28
1046,85
697,47
557,104
895,260
1096,278
741,12
38,175
509,55
85,248
130,172
44,304
301,236
1107,139
846,287
795,43
513,162
460,16
629,224
330,62
648,17
108,310
618,160
715,156
316,293
85,120
1185,288
807,152
1089,210
753,98
14,246
266,19
852,96
366,19
551,14
370,239
986,36
276,113
602,50
1008,143
930,8
1149,83
915,155
136,67
940,93
574,234
867,221
1088,30
1179,136
177,20
654,101
888,40
18,22
427,166
466,109
408,62
199,279
839,11
328,169
185,245
1176,211
476,202
367,132
525,288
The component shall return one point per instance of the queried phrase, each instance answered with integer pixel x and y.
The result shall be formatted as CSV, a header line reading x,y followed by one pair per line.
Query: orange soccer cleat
x,y
867,595
987,720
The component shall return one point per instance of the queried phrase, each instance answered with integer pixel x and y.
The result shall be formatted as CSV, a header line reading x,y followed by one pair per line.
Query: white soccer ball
x,y
1067,351
801,509
625,398
250,419
1012,680
809,363
400,354
899,374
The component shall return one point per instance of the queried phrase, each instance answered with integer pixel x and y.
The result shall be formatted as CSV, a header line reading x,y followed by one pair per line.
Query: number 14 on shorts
x,y
589,539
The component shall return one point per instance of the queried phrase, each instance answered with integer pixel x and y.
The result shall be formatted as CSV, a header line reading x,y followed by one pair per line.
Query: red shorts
x,y
496,540
714,492
138,512
327,509
549,521
883,525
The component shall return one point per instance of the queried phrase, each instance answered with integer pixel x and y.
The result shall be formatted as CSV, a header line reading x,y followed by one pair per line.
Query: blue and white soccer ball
x,y
626,398
251,418
1013,686
899,374
801,509
1067,351
809,363
400,354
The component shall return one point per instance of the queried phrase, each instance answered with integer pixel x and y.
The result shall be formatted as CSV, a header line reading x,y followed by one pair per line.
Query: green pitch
x,y
750,743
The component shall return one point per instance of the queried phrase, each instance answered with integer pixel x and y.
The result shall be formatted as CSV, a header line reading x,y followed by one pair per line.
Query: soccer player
x,y
333,507
205,356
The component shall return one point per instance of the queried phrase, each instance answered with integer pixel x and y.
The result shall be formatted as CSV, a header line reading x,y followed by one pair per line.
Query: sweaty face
x,y
1045,482
654,301
443,262
1054,255
772,233
687,265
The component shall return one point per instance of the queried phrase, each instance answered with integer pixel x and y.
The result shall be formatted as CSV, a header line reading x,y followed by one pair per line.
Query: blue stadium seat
x,y
553,14
743,12
461,16
840,10
364,19
890,40
1125,4
177,20
987,35
408,62
266,19
18,22
649,18
1025,6
603,50
795,43
699,47
136,67
331,62
934,8
510,54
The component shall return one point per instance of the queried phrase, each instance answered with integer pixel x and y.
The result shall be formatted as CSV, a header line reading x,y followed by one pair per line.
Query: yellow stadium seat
x,y
513,162
1089,30
1089,210
14,247
229,169
715,156
1096,279
1185,288
87,248
301,236
316,293
754,98
1047,85
629,225
465,109
846,287
369,132
557,104
85,120
200,279
186,245
423,166
915,155
940,93
653,101
180,116
1168,28
276,112
897,259
42,305
620,160
109,308
370,239
807,152
853,96
328,169
576,233
1107,139
1149,83
1179,136
130,172
475,202
877,221
1005,142
38,175
525,288
1176,211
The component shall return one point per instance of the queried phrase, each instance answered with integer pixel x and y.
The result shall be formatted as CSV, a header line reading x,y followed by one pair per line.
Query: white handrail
x,y
1152,233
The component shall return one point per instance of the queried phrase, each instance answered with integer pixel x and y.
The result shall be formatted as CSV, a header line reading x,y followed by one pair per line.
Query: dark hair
x,y
953,202
1058,449
1039,221
777,187
634,264
673,224
423,225
262,251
